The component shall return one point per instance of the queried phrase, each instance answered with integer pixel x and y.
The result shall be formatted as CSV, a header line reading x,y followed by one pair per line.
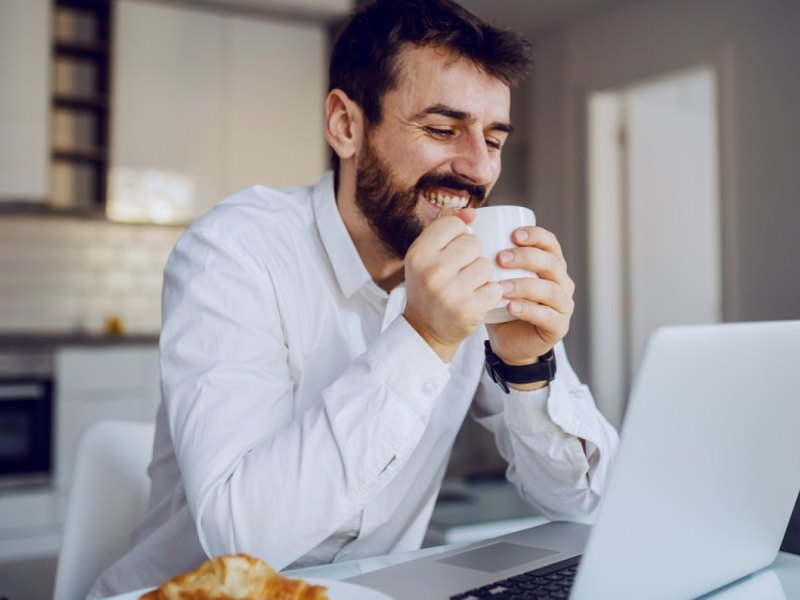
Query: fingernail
x,y
508,286
522,235
515,307
506,256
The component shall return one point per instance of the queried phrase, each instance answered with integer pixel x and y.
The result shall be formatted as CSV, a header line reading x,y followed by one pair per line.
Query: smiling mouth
x,y
440,199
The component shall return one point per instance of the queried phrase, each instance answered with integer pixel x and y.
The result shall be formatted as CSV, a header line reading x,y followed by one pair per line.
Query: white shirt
x,y
305,421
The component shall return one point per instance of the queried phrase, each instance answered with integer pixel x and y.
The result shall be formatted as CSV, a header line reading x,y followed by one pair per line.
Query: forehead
x,y
429,75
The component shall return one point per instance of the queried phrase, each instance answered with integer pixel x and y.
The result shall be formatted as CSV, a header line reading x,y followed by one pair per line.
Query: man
x,y
321,346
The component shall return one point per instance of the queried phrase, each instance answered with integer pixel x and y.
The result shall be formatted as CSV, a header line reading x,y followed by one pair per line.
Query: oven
x,y
26,418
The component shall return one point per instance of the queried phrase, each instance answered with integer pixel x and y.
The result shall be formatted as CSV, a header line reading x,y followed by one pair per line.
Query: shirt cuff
x,y
543,410
526,412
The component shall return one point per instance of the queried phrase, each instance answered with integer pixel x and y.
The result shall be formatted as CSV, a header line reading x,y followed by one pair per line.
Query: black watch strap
x,y
503,374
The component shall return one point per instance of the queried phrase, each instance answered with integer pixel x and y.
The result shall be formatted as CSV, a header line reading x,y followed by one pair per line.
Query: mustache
x,y
454,182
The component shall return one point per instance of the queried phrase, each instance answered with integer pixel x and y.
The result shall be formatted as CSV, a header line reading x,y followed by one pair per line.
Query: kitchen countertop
x,y
33,354
21,341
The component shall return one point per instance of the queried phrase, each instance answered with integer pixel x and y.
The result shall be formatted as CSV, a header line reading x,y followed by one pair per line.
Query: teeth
x,y
442,200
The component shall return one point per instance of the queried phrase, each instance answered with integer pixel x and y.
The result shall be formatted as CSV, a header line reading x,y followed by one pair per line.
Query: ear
x,y
344,123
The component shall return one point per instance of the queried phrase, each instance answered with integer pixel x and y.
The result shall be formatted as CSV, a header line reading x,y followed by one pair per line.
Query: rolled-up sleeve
x,y
558,445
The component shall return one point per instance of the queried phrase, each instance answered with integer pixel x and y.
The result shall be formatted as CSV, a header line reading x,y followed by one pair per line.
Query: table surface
x,y
779,581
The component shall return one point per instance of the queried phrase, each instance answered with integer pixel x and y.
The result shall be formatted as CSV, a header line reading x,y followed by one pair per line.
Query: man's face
x,y
438,144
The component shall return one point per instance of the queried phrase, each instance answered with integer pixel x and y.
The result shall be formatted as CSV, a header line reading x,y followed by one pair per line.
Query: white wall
x,y
70,275
755,47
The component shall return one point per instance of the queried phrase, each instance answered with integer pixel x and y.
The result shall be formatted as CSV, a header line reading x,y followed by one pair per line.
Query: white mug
x,y
494,226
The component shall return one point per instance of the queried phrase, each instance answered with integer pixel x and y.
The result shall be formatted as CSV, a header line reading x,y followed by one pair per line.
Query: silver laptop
x,y
701,492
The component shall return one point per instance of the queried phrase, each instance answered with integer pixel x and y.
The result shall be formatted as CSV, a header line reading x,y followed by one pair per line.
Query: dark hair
x,y
364,62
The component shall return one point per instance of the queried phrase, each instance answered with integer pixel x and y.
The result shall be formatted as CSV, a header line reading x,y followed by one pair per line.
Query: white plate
x,y
337,590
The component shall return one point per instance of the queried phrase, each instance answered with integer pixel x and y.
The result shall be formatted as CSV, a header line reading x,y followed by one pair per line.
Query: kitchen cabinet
x,y
274,110
96,384
24,103
81,92
167,133
207,103
29,524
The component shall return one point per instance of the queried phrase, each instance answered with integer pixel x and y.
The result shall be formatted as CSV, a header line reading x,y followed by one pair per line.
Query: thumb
x,y
465,214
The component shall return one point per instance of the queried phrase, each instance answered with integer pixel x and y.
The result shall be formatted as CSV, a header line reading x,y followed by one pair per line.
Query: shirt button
x,y
428,388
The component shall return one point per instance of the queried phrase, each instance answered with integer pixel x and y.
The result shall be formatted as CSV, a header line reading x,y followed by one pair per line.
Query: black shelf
x,y
85,5
91,157
84,103
82,51
83,46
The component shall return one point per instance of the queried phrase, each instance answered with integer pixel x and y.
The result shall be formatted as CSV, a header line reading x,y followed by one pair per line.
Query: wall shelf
x,y
84,51
81,51
81,103
82,156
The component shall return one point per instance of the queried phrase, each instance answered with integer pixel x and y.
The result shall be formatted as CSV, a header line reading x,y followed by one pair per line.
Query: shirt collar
x,y
347,265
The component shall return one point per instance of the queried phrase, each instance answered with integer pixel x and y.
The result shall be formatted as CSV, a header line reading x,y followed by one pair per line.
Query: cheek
x,y
429,158
496,168
414,161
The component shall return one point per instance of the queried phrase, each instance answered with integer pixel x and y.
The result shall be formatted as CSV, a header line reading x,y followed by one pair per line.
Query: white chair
x,y
108,495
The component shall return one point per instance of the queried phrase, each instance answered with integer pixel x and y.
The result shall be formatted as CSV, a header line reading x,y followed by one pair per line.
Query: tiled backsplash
x,y
64,275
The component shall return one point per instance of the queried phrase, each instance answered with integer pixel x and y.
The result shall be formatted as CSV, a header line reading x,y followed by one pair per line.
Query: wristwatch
x,y
503,374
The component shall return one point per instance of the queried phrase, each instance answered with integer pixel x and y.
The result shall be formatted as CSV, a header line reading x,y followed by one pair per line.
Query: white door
x,y
653,218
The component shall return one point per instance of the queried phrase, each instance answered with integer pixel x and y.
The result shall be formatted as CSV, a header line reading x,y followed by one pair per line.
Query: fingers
x,y
447,294
539,291
538,237
443,230
546,265
442,252
549,322
465,214
540,254
545,301
542,305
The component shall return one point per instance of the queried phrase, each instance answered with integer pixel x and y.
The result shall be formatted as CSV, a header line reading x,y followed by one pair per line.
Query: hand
x,y
447,283
542,304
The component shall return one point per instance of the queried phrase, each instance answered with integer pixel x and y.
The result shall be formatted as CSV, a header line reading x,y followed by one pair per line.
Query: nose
x,y
473,160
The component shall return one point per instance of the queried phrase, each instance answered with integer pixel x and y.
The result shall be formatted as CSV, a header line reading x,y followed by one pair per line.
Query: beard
x,y
390,208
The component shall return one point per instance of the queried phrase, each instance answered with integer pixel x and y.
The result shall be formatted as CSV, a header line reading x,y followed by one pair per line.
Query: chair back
x,y
107,497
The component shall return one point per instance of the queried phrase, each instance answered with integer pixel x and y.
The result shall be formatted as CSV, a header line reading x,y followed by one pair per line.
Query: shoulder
x,y
256,220
258,209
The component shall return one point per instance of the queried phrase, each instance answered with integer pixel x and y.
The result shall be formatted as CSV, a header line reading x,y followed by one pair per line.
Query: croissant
x,y
235,577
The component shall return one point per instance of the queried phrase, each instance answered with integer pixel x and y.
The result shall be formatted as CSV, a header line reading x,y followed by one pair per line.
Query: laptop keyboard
x,y
552,582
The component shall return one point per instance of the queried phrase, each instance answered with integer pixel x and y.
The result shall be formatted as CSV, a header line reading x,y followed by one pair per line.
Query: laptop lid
x,y
701,491
707,472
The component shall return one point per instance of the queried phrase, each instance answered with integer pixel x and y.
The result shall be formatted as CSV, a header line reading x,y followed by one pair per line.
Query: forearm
x,y
559,447
276,482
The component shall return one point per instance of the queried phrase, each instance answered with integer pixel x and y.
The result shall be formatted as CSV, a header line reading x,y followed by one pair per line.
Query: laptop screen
x,y
791,540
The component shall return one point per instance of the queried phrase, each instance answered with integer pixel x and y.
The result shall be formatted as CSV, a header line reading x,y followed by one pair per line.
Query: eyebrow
x,y
459,115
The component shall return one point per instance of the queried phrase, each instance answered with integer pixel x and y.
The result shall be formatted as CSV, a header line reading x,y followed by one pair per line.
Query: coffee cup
x,y
494,225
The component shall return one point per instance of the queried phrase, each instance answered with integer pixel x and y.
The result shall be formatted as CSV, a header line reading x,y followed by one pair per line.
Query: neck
x,y
385,269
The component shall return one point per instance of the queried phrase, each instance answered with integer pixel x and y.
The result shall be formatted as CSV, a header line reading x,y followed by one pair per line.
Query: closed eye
x,y
440,133
445,134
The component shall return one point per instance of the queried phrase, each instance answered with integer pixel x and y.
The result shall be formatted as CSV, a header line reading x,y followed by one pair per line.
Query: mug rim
x,y
504,206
